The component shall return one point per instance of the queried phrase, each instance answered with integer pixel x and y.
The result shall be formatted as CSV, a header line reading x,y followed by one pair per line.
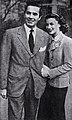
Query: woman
x,y
57,64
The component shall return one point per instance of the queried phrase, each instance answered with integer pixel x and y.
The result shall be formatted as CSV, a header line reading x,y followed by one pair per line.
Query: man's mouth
x,y
30,20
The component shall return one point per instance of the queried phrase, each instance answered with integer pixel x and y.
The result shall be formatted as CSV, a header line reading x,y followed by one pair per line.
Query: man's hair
x,y
60,19
33,3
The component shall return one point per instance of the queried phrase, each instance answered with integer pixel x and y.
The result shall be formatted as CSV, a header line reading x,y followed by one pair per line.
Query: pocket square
x,y
42,49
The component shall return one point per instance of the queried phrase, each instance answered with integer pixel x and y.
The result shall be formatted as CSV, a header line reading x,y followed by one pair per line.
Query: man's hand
x,y
3,93
45,71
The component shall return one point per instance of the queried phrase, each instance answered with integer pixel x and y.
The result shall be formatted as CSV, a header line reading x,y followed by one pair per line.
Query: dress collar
x,y
57,38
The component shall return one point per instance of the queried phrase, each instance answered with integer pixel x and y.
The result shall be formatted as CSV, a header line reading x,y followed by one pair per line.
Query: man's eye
x,y
35,14
28,13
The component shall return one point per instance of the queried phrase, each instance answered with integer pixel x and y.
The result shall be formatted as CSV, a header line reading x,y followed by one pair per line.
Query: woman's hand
x,y
3,93
45,71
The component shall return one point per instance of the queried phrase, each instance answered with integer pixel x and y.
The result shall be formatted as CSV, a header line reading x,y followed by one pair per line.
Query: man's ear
x,y
39,18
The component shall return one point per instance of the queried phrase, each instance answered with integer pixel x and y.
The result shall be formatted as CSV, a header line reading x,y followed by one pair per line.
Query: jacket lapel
x,y
38,41
21,34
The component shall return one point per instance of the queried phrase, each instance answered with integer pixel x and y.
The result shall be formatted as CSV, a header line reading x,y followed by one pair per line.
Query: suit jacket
x,y
17,62
59,59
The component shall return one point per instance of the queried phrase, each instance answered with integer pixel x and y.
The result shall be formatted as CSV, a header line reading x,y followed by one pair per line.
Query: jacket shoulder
x,y
42,32
67,39
13,30
67,42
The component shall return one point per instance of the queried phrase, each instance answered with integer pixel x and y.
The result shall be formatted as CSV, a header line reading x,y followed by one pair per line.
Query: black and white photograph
x,y
35,59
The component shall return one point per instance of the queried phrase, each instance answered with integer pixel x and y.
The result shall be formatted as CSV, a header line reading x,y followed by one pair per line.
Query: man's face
x,y
52,26
31,16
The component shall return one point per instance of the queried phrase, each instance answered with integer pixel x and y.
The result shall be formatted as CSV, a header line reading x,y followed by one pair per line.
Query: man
x,y
21,65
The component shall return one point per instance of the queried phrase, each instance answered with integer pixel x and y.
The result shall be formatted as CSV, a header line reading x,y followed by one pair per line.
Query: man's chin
x,y
30,25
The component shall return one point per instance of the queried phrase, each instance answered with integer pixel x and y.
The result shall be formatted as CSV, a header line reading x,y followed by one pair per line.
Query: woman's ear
x,y
59,25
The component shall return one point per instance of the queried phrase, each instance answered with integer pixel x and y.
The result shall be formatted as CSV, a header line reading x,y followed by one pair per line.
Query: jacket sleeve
x,y
4,59
67,64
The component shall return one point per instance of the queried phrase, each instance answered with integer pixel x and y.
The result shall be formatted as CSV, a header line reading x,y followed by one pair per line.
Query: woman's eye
x,y
51,24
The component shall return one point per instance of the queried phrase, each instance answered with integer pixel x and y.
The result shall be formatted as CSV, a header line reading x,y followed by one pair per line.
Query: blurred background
x,y
11,15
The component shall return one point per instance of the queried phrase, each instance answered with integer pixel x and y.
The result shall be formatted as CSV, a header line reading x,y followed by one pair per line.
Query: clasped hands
x,y
45,71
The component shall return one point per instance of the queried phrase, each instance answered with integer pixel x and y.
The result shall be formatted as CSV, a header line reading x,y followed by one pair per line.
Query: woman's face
x,y
52,26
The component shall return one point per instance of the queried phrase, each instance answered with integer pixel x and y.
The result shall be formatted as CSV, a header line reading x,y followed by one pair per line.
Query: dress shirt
x,y
28,31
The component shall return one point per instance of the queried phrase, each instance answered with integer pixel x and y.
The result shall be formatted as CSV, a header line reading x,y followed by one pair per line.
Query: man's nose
x,y
31,15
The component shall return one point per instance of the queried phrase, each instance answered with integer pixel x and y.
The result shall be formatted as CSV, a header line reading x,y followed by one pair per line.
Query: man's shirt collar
x,y
28,31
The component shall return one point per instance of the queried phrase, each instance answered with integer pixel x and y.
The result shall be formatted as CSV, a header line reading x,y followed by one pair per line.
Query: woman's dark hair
x,y
60,19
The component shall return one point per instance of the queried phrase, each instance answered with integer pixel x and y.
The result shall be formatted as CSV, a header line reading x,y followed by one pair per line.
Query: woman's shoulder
x,y
67,41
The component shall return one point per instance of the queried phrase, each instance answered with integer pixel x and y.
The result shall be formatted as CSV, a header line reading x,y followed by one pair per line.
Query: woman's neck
x,y
55,34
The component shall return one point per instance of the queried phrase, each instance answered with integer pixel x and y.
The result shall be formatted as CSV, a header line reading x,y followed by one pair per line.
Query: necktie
x,y
31,41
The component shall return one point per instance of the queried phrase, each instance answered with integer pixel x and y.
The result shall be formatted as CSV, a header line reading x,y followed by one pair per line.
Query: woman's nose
x,y
48,26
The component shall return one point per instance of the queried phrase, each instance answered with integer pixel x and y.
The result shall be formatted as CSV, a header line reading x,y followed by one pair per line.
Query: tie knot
x,y
31,30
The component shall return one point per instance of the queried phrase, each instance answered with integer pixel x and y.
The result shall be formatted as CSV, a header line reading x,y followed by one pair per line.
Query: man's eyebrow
x,y
34,13
28,12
